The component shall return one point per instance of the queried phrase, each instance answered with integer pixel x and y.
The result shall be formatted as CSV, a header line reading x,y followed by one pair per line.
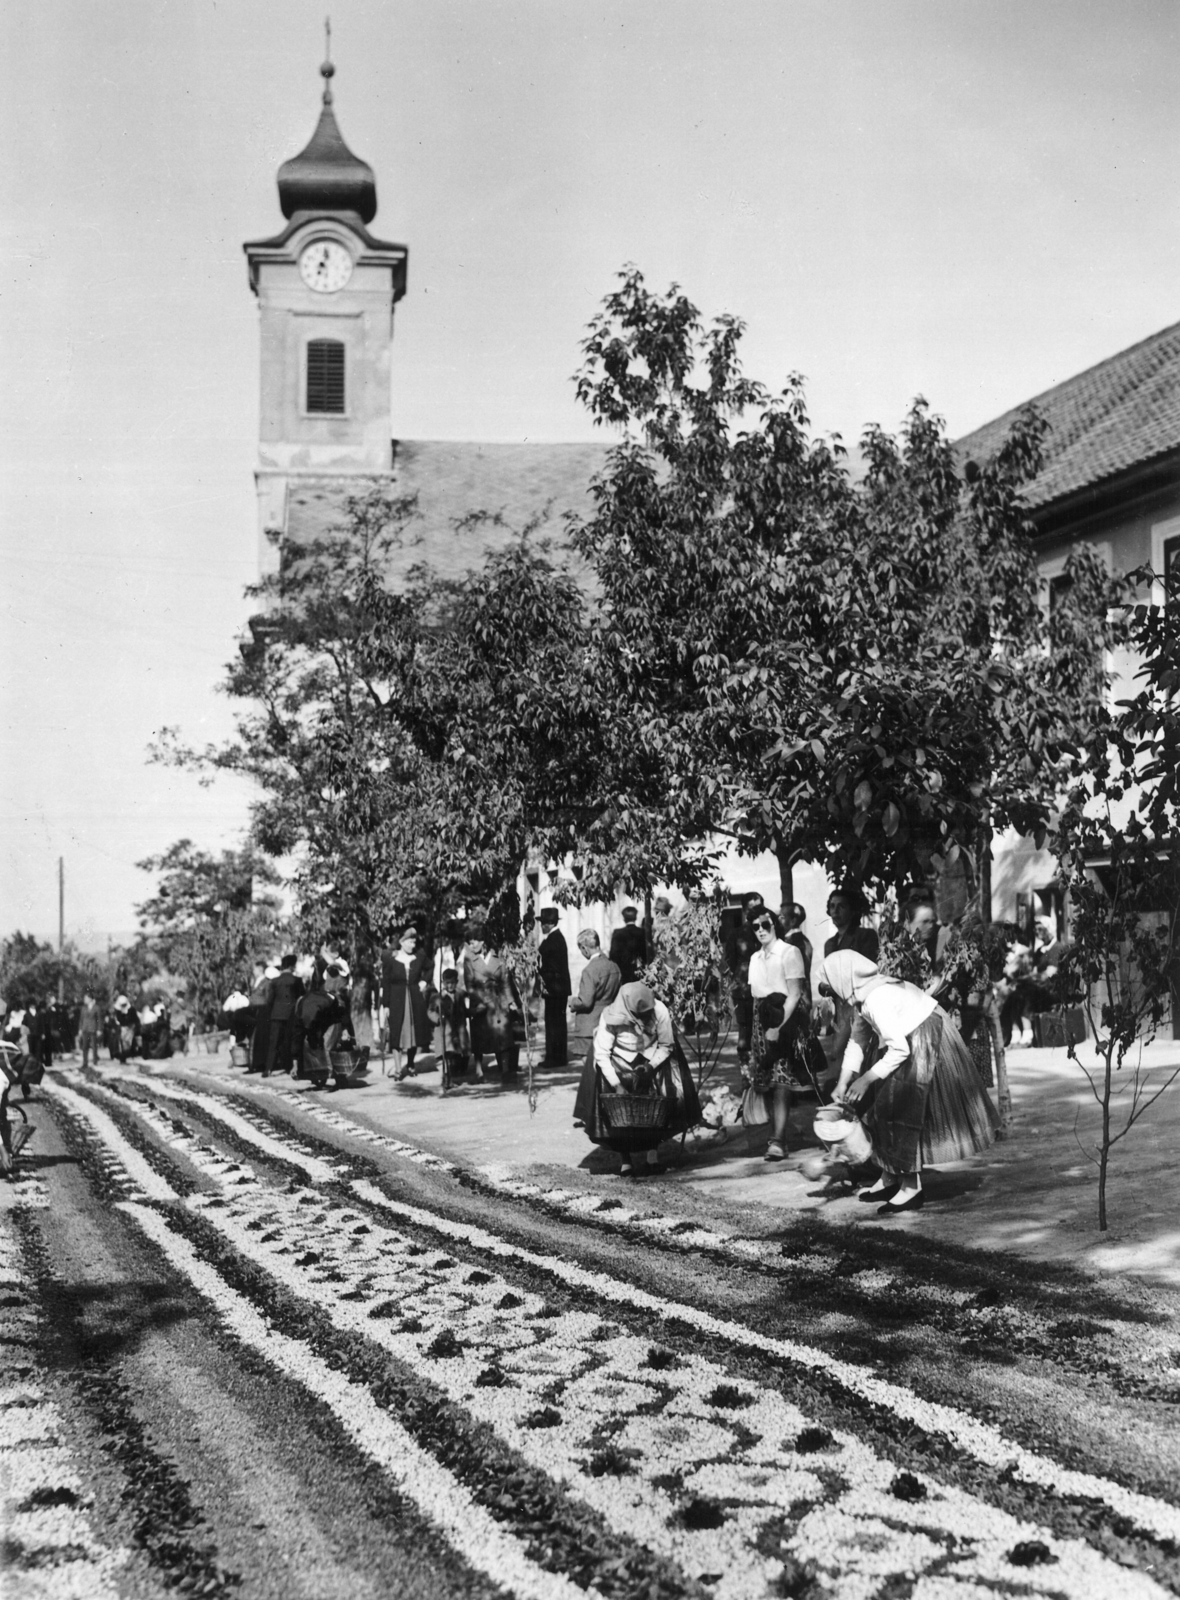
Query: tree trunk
x,y
996,1030
1104,1151
985,874
786,878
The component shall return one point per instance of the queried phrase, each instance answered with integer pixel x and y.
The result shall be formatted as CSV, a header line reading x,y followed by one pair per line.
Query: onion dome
x,y
326,176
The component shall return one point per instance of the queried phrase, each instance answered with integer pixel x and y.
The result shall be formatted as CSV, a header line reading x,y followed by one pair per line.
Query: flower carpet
x,y
567,1430
51,1548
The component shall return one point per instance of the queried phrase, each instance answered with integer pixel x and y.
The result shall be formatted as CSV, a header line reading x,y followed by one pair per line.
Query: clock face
x,y
325,266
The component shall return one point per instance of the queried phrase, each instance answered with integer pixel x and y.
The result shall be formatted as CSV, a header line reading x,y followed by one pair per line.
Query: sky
x,y
968,201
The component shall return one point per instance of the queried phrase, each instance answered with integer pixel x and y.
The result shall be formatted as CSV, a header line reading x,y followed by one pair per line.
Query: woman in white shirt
x,y
920,1097
783,1053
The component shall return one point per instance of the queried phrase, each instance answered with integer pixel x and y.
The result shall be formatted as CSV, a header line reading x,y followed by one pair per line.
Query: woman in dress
x,y
403,994
784,1055
847,908
494,1006
920,1097
636,1053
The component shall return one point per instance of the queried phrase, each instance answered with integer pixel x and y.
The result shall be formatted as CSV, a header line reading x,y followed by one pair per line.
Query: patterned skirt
x,y
795,1057
933,1107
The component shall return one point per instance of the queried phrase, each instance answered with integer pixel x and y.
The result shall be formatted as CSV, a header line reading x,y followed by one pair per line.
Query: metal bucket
x,y
837,1125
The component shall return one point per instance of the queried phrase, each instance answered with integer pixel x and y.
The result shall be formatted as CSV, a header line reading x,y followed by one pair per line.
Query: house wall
x,y
1128,536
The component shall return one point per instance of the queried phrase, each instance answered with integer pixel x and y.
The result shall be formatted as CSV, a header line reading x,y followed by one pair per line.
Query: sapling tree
x,y
1120,862
688,974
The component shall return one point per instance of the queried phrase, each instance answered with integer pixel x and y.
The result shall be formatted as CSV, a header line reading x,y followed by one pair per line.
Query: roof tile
x,y
1120,414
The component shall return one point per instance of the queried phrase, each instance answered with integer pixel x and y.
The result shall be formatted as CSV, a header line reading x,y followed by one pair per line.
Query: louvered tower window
x,y
325,375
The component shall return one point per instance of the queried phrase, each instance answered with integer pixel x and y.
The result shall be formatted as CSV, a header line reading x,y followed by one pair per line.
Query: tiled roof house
x,y
1112,454
1111,478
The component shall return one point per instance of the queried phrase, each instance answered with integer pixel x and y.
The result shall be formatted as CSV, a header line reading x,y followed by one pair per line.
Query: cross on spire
x,y
327,71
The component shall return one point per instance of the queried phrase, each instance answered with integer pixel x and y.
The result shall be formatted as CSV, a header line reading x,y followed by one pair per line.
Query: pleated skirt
x,y
934,1107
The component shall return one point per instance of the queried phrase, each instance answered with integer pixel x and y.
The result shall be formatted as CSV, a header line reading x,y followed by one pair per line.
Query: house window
x,y
325,376
1059,587
1170,569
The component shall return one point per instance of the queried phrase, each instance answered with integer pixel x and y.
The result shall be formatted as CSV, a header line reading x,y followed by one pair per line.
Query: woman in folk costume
x,y
920,1097
635,1053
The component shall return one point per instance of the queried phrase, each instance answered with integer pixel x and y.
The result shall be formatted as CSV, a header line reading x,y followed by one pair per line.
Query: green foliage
x,y
31,971
218,953
196,887
688,974
853,673
850,673
206,925
1116,843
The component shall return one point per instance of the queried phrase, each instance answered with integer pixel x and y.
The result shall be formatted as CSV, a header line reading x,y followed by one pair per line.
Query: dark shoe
x,y
914,1203
870,1197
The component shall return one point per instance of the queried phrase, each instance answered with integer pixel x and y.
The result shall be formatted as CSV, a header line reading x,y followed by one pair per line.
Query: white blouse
x,y
774,967
893,1011
626,1042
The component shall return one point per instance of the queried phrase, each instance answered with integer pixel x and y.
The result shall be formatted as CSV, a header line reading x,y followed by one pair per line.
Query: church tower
x,y
326,291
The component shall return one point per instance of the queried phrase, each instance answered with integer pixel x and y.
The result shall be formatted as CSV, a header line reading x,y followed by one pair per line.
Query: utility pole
x,y
61,927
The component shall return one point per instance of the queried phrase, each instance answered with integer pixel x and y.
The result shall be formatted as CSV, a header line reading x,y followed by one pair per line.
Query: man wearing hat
x,y
555,986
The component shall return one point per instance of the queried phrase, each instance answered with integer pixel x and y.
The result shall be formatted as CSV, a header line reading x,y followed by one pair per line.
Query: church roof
x,y
515,482
1121,414
325,175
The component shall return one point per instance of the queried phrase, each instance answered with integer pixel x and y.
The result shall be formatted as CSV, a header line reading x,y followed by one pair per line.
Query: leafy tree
x,y
854,673
1117,846
196,887
31,971
412,749
218,953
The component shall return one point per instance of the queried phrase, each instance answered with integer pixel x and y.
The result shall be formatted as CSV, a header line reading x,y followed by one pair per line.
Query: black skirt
x,y
933,1107
673,1080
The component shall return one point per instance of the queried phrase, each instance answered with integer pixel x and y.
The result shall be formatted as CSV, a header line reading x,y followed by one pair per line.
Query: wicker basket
x,y
239,1056
634,1111
344,1060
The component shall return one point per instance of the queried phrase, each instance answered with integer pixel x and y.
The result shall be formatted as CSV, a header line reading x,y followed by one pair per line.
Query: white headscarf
x,y
851,976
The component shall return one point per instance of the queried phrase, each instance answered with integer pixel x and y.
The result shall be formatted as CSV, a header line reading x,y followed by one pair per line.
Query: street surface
x,y
254,1346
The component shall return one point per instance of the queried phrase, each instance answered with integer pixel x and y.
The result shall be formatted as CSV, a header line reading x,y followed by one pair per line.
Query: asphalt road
x,y
254,1348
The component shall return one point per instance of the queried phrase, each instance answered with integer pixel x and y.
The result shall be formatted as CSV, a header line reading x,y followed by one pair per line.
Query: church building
x,y
328,290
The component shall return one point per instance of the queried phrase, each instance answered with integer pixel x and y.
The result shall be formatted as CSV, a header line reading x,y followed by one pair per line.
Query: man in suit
x,y
628,946
286,991
600,983
38,1022
555,986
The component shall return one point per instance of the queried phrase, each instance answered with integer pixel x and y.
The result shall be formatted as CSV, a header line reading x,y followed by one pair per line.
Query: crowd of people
x,y
898,1030
44,1031
901,1044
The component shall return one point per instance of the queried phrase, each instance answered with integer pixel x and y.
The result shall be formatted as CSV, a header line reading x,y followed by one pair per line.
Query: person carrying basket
x,y
636,1089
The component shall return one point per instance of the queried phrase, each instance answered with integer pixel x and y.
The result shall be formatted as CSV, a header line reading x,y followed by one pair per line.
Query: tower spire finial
x,y
327,71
